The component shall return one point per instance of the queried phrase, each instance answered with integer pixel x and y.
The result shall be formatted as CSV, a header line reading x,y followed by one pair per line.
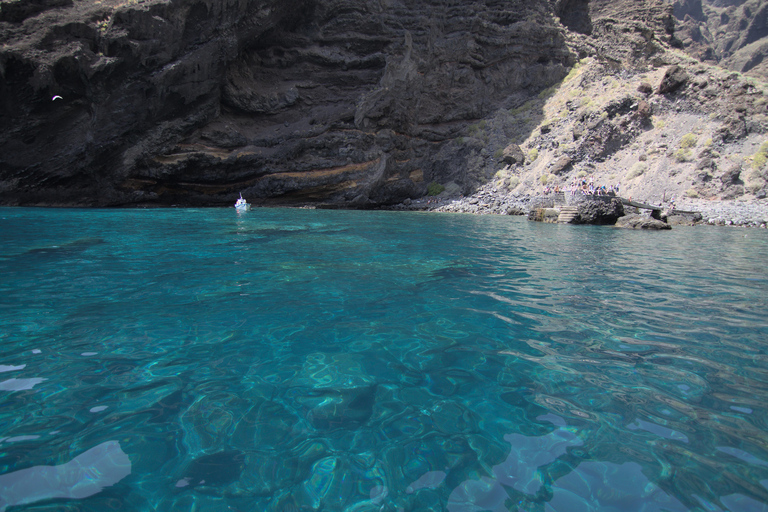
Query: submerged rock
x,y
335,391
216,469
345,408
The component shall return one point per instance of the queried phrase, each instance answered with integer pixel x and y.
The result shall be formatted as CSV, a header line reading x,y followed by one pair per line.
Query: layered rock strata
x,y
193,101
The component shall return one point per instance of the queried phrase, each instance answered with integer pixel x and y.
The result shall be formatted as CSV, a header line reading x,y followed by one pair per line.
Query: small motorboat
x,y
242,205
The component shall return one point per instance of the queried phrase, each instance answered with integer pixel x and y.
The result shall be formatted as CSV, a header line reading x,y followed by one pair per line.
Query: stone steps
x,y
567,214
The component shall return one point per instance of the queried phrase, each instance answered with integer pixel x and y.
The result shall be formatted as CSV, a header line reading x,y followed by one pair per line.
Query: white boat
x,y
242,205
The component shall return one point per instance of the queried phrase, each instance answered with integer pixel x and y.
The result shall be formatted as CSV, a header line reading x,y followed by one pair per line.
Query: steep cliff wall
x,y
290,101
731,33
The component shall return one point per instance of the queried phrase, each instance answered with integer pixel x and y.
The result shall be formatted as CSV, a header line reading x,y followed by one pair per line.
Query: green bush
x,y
543,179
760,158
498,154
688,141
637,169
434,189
683,155
533,154
514,181
525,107
546,93
573,72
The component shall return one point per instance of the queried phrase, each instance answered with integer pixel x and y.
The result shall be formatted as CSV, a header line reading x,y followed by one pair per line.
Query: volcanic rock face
x,y
732,33
603,212
291,101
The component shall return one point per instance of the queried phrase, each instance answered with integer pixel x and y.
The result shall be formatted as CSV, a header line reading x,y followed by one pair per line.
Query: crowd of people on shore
x,y
586,187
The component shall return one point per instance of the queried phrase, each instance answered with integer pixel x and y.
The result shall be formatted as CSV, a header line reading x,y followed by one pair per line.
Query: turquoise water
x,y
291,360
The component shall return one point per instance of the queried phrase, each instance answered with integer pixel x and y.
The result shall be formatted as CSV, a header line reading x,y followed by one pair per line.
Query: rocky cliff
x,y
373,102
730,33
292,101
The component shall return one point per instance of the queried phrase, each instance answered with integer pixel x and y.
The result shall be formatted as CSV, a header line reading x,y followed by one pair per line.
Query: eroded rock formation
x,y
732,33
296,101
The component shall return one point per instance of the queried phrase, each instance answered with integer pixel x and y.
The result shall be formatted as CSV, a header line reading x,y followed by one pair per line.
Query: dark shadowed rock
x,y
16,12
678,219
601,212
548,215
731,33
217,469
644,109
575,15
690,8
645,88
732,176
733,128
561,165
513,155
674,78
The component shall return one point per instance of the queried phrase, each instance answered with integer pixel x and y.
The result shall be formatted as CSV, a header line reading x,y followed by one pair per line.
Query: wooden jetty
x,y
642,206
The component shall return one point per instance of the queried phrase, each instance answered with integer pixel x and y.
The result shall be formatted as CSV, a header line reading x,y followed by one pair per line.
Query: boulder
x,y
677,219
732,192
733,128
641,222
645,88
513,155
601,212
731,176
674,78
561,165
549,215
644,109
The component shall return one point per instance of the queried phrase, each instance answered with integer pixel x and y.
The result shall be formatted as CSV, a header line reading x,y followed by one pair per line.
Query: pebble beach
x,y
489,201
749,213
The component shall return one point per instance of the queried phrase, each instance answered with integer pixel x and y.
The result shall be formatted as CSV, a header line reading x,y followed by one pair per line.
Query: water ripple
x,y
354,361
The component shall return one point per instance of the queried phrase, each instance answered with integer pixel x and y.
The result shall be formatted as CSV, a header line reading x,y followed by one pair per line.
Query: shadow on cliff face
x,y
367,106
288,102
575,15
731,33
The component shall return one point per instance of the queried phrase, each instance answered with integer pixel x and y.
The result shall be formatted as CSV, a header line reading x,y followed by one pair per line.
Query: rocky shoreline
x,y
489,200
753,213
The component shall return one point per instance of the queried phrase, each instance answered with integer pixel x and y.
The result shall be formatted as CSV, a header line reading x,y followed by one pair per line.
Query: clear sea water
x,y
292,360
